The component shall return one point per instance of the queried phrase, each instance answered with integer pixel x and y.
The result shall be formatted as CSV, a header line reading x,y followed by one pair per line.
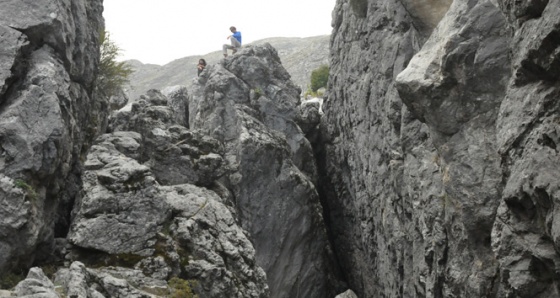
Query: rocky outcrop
x,y
213,191
148,205
248,102
49,116
438,159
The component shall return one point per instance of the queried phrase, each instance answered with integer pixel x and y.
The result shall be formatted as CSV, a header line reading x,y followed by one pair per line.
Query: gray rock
x,y
175,154
122,206
127,217
380,179
248,102
179,103
81,282
455,84
426,14
119,100
49,118
68,26
221,257
74,280
453,193
347,294
526,232
310,115
36,285
13,44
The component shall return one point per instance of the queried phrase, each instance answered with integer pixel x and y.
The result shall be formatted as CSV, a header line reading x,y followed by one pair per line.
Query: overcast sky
x,y
161,31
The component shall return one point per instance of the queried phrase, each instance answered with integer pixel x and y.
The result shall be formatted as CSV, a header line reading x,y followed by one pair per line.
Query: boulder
x,y
36,284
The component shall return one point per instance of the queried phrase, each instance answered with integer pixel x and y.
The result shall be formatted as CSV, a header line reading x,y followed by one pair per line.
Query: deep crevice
x,y
325,190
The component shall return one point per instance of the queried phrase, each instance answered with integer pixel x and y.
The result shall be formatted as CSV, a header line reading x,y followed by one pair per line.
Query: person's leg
x,y
225,48
235,45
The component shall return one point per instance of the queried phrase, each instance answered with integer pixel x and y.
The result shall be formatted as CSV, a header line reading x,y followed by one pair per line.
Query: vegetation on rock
x,y
319,78
113,75
182,288
31,193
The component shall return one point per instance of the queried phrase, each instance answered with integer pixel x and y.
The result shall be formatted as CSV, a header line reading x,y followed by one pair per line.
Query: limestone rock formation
x,y
430,170
141,208
248,102
48,118
526,234
437,153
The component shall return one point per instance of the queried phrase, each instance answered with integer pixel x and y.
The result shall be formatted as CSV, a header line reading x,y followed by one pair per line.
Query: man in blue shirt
x,y
235,39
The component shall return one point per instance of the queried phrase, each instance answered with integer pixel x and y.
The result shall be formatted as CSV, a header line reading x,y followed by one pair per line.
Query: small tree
x,y
112,75
319,78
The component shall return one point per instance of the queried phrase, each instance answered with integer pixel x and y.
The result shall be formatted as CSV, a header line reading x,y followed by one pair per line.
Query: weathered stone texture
x,y
454,193
48,119
141,209
36,284
373,153
248,102
526,231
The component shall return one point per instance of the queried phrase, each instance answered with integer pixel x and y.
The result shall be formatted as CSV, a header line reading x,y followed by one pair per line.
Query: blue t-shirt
x,y
237,36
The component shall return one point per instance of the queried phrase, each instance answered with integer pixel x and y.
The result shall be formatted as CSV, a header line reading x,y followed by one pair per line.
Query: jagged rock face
x,y
374,153
248,102
141,209
455,84
49,116
173,153
122,206
526,234
452,194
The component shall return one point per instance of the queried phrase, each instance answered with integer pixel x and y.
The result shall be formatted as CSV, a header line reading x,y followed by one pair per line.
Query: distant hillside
x,y
300,56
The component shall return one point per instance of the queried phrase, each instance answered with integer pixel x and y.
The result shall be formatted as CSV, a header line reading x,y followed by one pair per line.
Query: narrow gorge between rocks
x,y
429,168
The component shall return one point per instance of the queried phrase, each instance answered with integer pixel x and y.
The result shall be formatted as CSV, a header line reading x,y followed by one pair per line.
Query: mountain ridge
x,y
299,55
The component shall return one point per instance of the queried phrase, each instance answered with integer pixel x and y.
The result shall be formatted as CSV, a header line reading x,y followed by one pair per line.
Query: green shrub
x,y
31,193
181,288
258,92
319,78
112,75
10,280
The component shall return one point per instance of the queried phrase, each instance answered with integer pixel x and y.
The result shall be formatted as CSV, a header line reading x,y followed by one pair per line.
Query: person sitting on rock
x,y
201,66
235,39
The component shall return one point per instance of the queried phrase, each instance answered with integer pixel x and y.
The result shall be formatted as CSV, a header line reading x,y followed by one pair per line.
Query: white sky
x,y
161,31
